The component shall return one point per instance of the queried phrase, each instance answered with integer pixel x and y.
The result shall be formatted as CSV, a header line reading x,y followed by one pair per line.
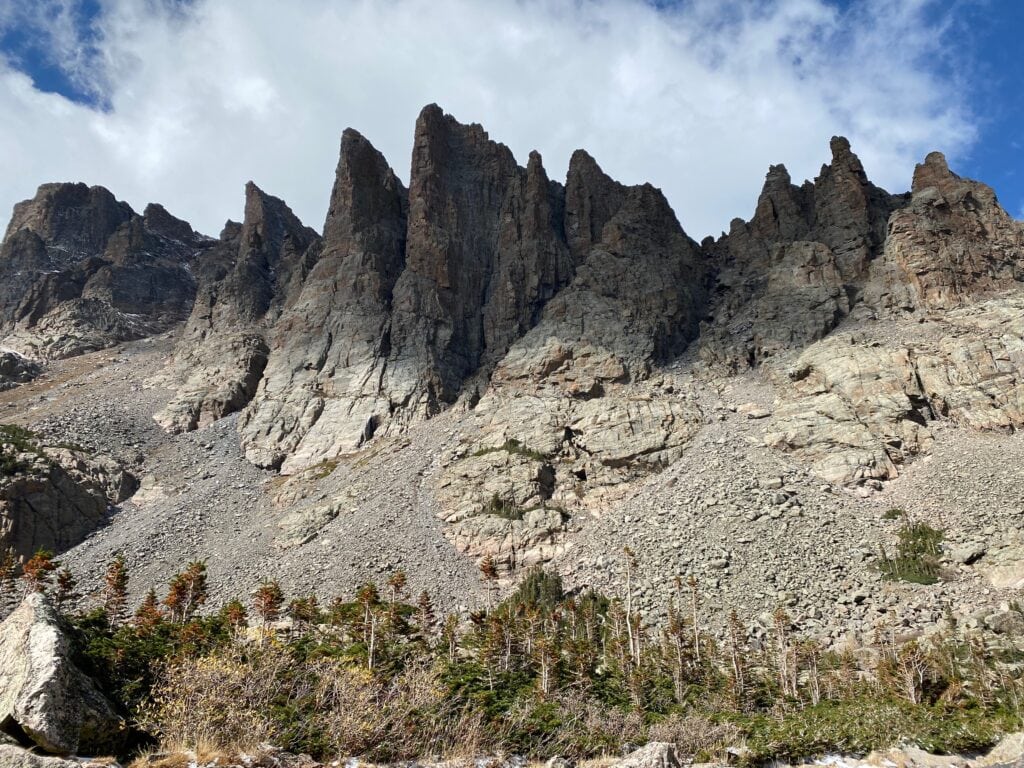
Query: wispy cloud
x,y
698,98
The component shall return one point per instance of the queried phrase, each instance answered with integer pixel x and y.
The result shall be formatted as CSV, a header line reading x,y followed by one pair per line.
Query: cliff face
x,y
244,283
81,271
321,393
418,296
572,332
494,363
795,270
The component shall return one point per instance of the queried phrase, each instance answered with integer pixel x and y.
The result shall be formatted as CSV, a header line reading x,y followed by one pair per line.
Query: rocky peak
x,y
787,277
319,394
81,271
783,211
934,173
591,199
953,241
160,222
366,194
73,218
478,267
245,282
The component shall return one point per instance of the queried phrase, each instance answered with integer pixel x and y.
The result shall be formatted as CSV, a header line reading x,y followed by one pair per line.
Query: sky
x,y
182,101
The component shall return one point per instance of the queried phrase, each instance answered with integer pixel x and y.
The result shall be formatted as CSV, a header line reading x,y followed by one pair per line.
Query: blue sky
x,y
182,101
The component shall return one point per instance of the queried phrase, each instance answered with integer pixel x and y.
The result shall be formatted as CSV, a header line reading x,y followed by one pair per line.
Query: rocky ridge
x,y
81,271
579,375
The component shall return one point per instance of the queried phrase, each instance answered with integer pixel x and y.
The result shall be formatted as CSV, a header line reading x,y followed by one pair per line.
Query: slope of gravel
x,y
758,531
755,529
201,500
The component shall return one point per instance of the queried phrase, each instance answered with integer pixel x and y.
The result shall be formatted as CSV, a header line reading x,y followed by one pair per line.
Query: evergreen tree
x,y
148,615
267,602
65,588
115,589
37,571
187,592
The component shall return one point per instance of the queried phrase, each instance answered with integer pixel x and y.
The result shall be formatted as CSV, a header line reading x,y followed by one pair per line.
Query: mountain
x,y
489,362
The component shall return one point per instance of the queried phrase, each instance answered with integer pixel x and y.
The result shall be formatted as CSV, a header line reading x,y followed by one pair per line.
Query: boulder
x,y
44,697
12,756
16,369
657,754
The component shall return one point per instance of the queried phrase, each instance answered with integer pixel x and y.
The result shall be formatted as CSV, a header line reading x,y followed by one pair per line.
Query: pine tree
x,y
115,589
148,615
186,592
369,599
267,602
235,615
396,583
65,588
489,572
304,611
426,619
37,571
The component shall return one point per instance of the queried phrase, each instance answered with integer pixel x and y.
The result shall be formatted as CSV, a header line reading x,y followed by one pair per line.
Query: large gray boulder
x,y
657,754
12,756
44,697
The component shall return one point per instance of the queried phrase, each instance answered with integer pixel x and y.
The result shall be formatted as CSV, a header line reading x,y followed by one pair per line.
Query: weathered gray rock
x,y
43,694
81,271
654,755
321,395
571,417
484,253
952,243
12,756
46,506
786,278
16,369
857,410
244,282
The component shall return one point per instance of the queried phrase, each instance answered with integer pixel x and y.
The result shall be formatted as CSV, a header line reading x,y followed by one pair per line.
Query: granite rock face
x,y
244,284
484,253
574,413
321,392
417,295
791,274
952,243
43,695
53,497
80,271
16,369
859,406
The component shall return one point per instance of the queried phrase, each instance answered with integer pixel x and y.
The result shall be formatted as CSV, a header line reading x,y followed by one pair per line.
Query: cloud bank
x,y
697,97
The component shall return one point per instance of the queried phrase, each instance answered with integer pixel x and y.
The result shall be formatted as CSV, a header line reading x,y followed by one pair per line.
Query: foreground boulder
x,y
657,754
12,756
44,698
16,369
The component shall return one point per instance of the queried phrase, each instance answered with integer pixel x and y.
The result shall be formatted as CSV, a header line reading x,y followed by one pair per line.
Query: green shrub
x,y
498,507
540,589
862,725
515,447
917,555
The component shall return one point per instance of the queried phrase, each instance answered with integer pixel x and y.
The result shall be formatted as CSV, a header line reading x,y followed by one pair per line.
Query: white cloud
x,y
697,100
